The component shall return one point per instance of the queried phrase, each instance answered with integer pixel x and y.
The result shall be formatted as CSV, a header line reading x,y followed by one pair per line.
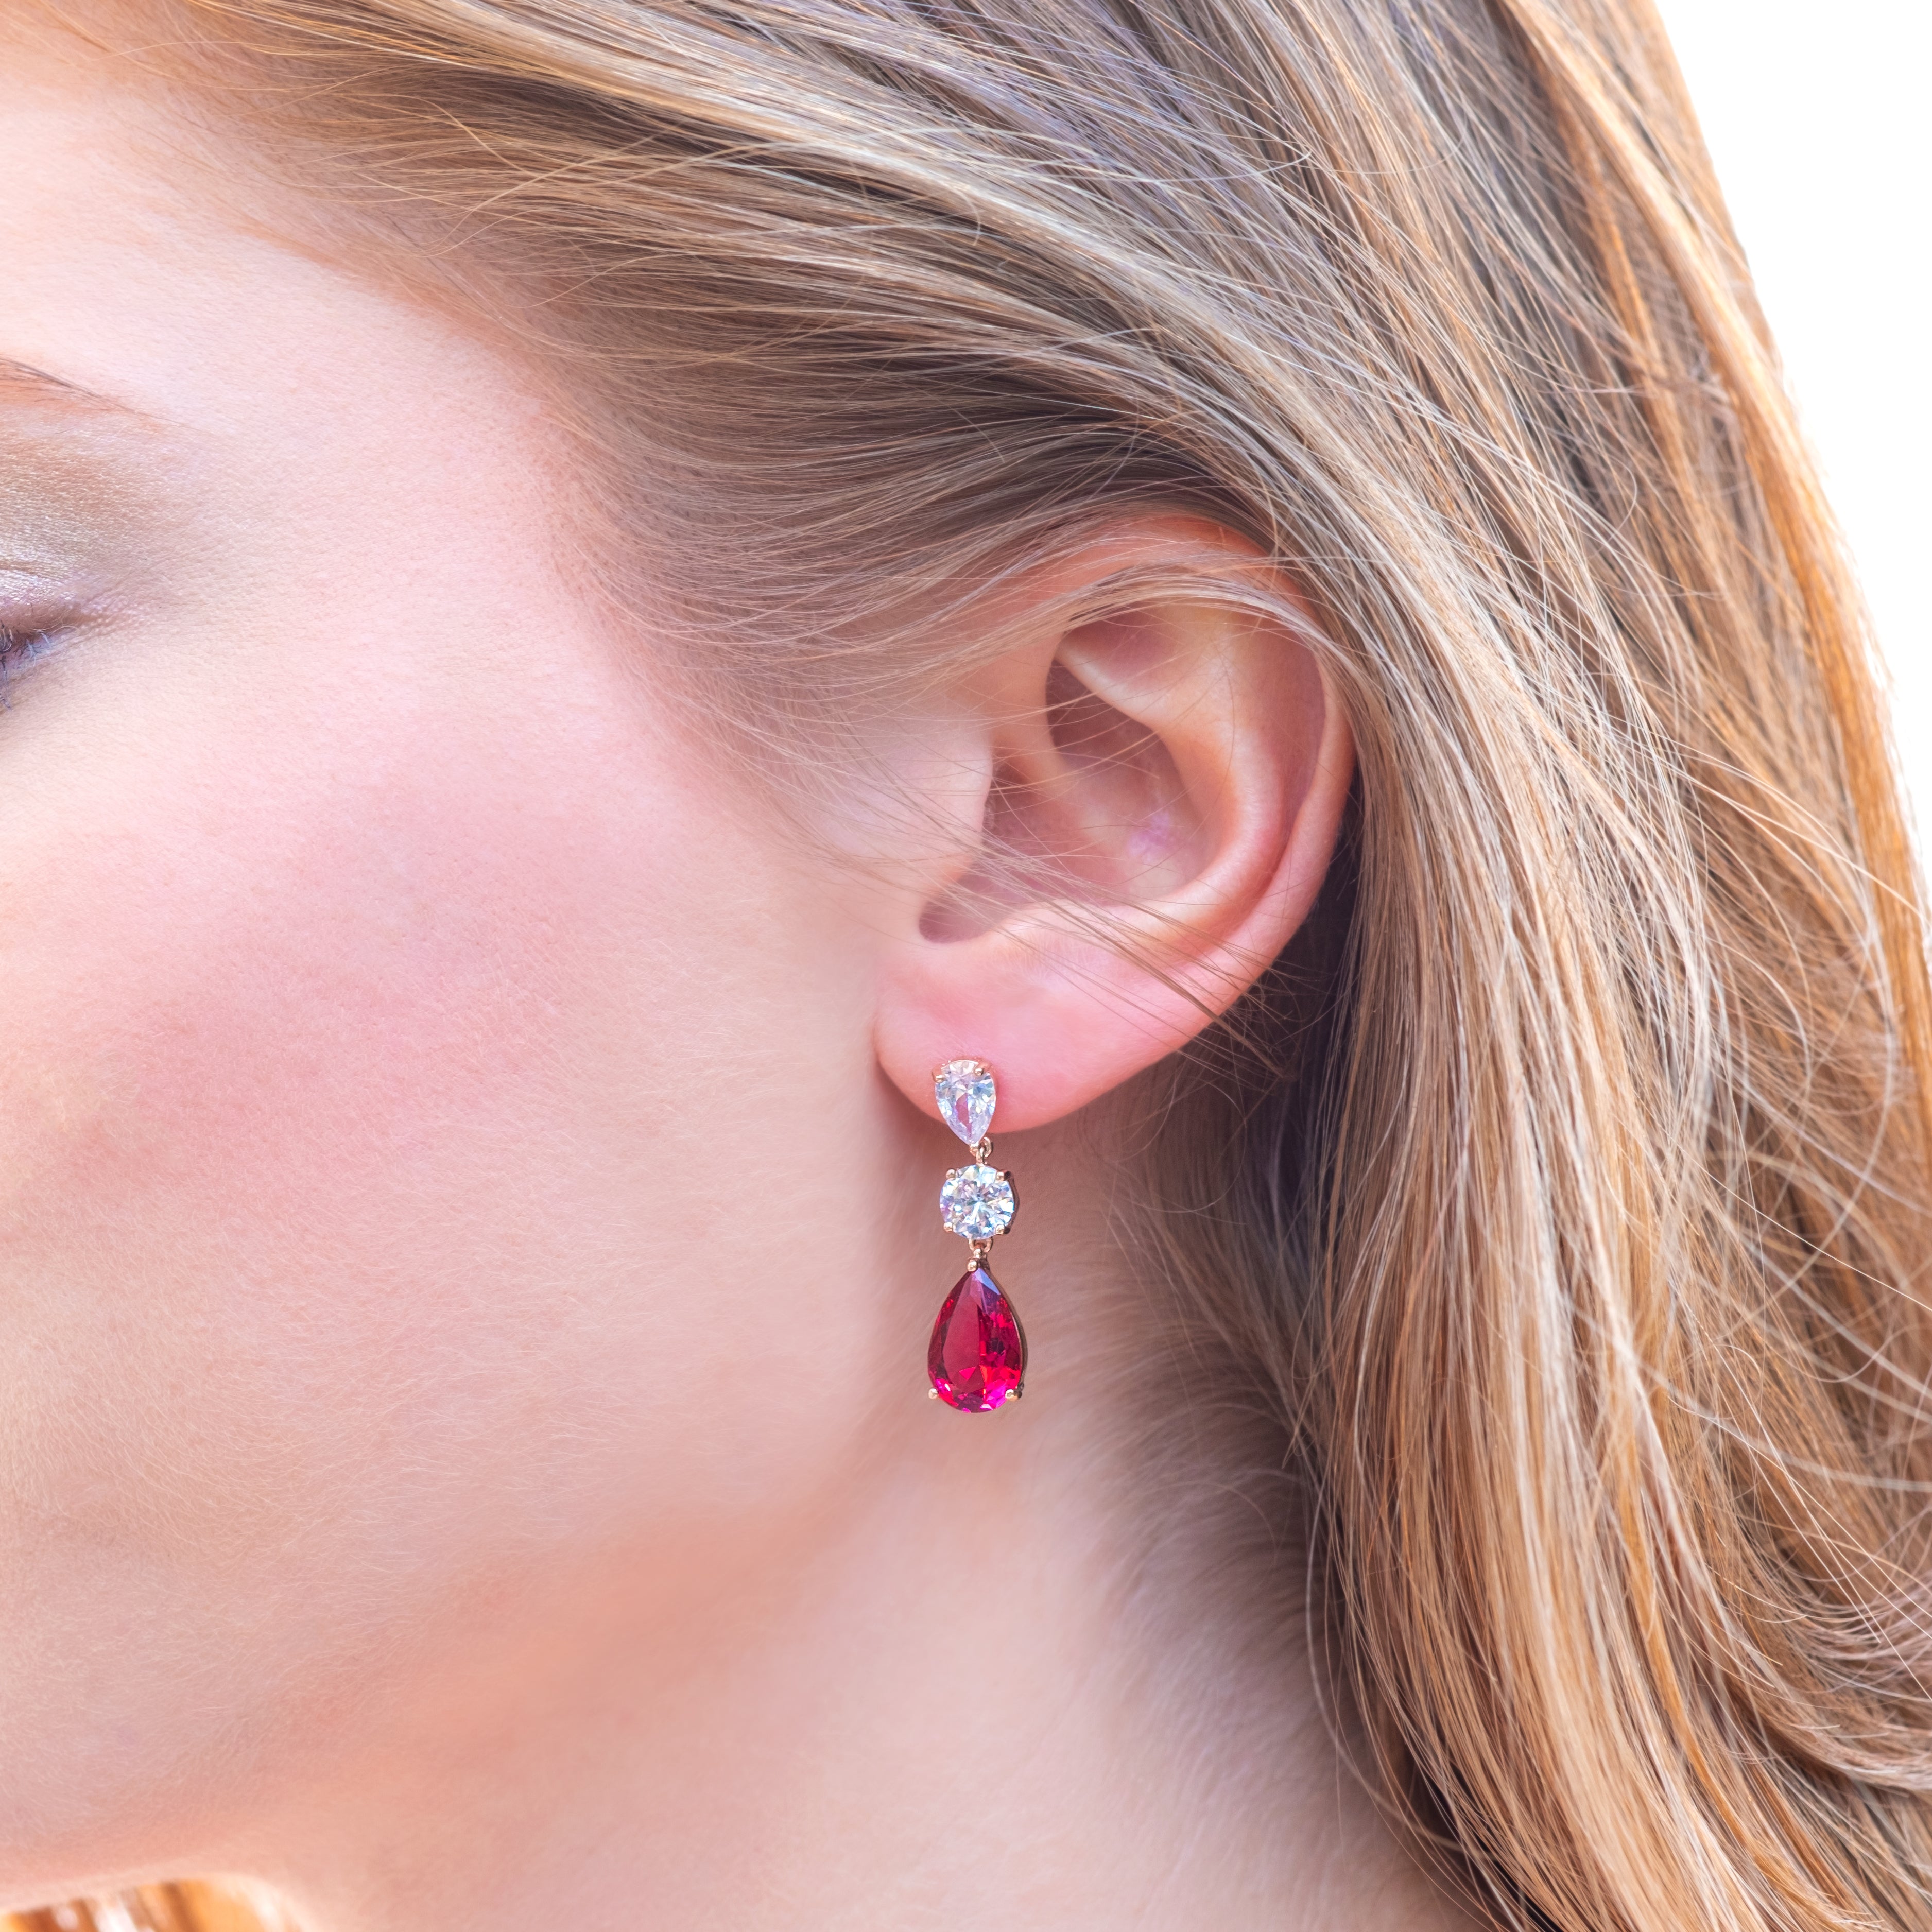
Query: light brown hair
x,y
1579,1153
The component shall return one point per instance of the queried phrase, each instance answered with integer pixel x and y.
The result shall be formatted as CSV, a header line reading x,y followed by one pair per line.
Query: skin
x,y
465,1224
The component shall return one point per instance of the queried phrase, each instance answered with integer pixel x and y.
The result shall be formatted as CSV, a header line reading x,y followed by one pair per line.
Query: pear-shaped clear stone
x,y
976,1202
964,1089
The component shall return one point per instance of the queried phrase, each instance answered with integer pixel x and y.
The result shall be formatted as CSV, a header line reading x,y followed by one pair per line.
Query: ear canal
x,y
1088,807
1122,811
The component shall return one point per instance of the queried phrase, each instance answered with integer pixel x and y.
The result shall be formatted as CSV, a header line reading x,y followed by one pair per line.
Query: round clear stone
x,y
976,1202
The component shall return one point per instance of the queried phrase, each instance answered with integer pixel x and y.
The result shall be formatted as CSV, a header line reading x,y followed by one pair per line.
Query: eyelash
x,y
21,644
34,626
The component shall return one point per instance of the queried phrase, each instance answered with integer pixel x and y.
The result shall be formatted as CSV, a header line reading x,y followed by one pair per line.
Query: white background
x,y
1818,117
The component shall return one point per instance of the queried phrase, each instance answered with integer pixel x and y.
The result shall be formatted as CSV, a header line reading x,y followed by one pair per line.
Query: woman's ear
x,y
1155,796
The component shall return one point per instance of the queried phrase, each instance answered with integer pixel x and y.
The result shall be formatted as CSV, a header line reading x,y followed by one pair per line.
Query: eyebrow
x,y
36,385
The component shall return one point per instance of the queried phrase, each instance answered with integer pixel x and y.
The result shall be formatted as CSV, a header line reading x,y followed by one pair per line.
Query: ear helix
x,y
977,1356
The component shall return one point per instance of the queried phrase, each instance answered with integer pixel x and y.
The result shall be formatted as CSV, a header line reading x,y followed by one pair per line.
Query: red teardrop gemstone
x,y
977,1360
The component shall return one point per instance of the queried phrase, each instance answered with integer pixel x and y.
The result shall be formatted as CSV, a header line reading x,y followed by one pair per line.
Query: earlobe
x,y
1168,784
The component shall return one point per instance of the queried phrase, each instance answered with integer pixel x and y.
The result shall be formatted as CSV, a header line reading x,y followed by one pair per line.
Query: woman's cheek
x,y
352,1088
288,1080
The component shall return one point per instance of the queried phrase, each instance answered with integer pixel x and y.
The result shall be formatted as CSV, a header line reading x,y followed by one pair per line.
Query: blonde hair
x,y
1580,1151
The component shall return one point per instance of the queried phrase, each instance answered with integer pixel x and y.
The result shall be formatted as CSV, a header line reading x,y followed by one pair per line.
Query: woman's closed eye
x,y
30,634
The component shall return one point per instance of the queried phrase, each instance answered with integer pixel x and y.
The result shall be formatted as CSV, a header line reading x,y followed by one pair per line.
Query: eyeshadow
x,y
81,496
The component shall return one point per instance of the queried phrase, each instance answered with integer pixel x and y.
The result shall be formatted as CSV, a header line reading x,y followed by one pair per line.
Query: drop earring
x,y
977,1358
